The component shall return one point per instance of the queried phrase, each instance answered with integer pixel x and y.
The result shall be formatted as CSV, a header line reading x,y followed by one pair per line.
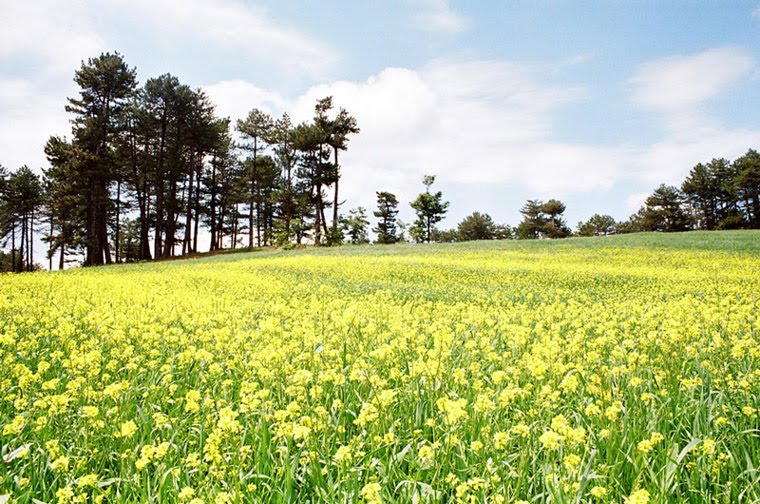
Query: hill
x,y
594,369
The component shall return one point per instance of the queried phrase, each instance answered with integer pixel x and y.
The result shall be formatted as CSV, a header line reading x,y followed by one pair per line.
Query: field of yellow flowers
x,y
599,370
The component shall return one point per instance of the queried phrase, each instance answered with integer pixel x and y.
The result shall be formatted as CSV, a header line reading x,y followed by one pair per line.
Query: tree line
x,y
146,167
720,194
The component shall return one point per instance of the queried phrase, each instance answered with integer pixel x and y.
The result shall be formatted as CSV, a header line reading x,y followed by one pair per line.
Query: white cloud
x,y
468,122
491,122
437,15
56,35
681,82
756,13
235,98
676,88
670,160
62,34
28,119
634,201
43,42
242,29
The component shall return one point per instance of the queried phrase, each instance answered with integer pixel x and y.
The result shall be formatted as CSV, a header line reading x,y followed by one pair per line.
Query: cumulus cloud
x,y
679,82
46,34
677,88
484,122
634,201
43,42
491,122
243,29
233,98
437,15
28,119
57,35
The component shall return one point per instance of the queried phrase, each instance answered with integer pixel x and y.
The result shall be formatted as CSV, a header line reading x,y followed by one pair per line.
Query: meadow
x,y
614,369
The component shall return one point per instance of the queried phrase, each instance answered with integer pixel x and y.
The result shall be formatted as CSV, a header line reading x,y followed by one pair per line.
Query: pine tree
x,y
430,209
387,210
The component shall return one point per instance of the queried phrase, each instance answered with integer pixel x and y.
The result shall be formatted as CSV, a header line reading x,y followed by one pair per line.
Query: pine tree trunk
x,y
31,240
13,247
197,204
335,197
50,246
214,231
117,231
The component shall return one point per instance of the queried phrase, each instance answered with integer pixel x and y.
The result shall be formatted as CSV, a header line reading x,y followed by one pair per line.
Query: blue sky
x,y
591,102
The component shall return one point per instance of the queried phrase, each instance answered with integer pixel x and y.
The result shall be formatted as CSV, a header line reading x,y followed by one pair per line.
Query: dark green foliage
x,y
554,225
430,210
257,130
710,193
663,211
21,199
387,210
444,235
542,220
533,220
747,185
146,167
503,232
354,226
597,225
106,85
476,226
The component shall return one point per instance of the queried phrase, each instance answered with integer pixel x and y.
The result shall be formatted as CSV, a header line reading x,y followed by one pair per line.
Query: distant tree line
x,y
717,195
147,166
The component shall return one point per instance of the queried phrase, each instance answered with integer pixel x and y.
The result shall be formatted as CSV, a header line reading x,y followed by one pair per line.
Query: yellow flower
x,y
599,492
500,440
645,446
638,497
87,480
371,493
15,426
127,429
521,430
572,462
89,411
550,440
343,455
708,447
60,464
64,495
367,415
223,498
452,409
426,456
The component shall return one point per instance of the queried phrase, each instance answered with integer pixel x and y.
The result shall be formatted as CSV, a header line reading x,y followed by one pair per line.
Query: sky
x,y
595,103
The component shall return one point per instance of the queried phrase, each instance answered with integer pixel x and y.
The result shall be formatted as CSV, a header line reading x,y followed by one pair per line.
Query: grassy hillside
x,y
581,370
742,241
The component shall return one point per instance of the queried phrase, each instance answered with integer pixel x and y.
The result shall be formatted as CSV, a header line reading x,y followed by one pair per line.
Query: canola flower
x,y
497,372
